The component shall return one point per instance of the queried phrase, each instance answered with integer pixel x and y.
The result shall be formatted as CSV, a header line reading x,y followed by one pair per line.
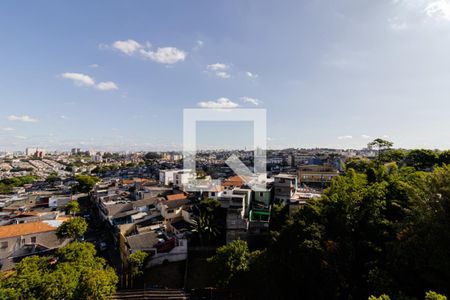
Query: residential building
x,y
167,177
316,175
284,187
24,239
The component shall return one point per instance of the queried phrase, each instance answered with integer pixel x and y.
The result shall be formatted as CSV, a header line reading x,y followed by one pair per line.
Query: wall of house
x,y
181,179
9,245
246,203
178,253
171,213
263,197
167,177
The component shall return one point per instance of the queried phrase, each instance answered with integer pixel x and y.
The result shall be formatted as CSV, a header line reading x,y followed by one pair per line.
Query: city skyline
x,y
111,76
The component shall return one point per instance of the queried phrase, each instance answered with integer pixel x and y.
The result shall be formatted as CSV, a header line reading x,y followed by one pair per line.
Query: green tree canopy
x,y
73,207
444,157
358,164
393,155
231,260
152,156
430,295
73,228
53,177
8,184
137,262
76,274
383,231
207,224
422,159
85,183
380,145
382,297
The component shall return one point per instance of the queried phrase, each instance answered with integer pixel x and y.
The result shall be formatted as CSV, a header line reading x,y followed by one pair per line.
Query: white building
x,y
182,178
167,177
97,158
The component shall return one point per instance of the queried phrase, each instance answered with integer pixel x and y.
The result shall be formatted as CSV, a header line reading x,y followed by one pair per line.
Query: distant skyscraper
x,y
35,152
75,151
30,151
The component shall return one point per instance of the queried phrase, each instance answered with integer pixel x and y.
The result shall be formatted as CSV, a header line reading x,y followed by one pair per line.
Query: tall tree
x,y
207,223
136,262
380,145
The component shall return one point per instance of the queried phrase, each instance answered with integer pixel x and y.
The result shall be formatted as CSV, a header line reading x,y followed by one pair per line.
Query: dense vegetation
x,y
378,229
73,228
85,183
209,223
7,184
136,263
74,273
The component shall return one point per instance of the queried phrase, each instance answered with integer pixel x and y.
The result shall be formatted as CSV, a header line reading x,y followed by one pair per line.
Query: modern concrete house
x,y
285,186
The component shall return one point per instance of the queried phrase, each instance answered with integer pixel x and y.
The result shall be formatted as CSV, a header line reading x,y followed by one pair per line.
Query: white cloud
x,y
63,117
198,45
20,137
128,47
438,9
79,79
365,136
6,129
412,13
223,75
86,80
23,118
251,75
345,137
163,55
219,69
94,66
219,103
106,86
251,100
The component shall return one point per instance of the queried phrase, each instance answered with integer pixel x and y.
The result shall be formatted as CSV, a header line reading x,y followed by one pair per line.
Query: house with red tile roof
x,y
24,239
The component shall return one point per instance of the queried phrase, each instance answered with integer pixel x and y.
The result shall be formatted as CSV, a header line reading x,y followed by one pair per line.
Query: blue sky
x,y
116,75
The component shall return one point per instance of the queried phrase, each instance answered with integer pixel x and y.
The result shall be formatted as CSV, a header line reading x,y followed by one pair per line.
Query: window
x,y
4,245
261,194
33,240
213,194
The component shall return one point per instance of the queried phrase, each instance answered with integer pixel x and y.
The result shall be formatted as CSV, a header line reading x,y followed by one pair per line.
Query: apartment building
x,y
316,175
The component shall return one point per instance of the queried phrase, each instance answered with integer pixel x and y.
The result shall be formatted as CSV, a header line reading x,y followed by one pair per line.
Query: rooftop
x,y
176,197
8,231
142,241
285,176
